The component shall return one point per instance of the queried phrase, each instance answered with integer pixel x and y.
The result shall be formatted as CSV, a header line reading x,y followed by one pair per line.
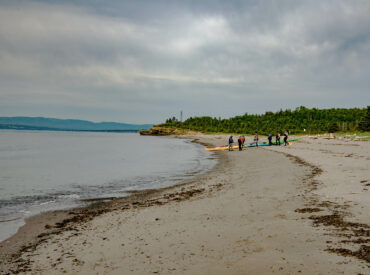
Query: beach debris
x,y
326,204
43,235
325,136
360,240
362,253
336,220
357,232
307,210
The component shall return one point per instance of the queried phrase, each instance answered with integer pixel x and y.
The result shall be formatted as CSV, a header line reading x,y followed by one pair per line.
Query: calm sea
x,y
45,170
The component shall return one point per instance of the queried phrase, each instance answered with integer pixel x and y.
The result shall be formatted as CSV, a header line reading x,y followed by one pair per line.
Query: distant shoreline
x,y
56,124
31,128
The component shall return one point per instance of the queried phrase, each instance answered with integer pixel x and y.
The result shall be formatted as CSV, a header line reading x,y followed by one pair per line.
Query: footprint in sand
x,y
281,216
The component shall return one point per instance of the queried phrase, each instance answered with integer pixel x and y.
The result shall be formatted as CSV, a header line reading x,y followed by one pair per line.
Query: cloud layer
x,y
144,61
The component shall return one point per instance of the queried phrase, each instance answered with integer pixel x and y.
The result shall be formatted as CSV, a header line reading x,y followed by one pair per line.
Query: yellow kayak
x,y
220,148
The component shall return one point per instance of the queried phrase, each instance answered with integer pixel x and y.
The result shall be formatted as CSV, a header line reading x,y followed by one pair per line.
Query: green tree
x,y
333,128
364,124
313,120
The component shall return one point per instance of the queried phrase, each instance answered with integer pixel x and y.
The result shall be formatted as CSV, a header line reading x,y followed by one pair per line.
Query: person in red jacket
x,y
240,143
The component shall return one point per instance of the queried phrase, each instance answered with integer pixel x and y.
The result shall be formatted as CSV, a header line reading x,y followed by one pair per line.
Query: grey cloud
x,y
126,59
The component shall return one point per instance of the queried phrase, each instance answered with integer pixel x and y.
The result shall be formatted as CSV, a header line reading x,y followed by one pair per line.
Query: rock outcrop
x,y
165,131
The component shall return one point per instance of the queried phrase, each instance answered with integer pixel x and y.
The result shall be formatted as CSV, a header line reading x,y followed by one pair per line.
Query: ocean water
x,y
46,170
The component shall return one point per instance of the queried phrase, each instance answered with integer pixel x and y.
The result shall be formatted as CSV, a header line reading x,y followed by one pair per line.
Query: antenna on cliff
x,y
181,116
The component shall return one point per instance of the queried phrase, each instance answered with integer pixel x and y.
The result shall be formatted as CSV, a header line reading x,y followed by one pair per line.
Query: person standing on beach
x,y
270,139
256,139
240,143
277,138
231,141
286,137
243,141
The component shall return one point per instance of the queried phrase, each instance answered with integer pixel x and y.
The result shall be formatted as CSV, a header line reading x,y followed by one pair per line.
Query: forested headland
x,y
299,121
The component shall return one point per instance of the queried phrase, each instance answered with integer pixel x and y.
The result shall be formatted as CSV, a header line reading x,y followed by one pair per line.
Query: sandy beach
x,y
301,209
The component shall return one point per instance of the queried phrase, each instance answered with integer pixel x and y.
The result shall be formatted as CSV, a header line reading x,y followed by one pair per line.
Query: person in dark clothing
x,y
286,138
277,138
270,139
231,141
240,143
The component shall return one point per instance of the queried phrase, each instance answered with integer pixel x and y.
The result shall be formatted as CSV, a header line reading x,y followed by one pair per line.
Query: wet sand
x,y
258,212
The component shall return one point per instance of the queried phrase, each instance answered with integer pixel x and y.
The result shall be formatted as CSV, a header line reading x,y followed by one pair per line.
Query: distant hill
x,y
43,123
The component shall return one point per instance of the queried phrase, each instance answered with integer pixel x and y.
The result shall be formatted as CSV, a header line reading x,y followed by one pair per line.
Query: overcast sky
x,y
144,61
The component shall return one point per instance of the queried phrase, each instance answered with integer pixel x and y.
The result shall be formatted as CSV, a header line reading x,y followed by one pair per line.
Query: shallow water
x,y
45,170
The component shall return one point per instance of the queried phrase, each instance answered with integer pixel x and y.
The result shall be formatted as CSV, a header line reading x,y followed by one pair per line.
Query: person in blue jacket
x,y
270,139
231,141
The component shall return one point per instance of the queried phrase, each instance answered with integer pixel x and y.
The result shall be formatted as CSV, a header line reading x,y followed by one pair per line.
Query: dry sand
x,y
258,212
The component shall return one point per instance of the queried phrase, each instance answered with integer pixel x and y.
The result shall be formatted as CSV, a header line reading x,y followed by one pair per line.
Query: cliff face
x,y
164,131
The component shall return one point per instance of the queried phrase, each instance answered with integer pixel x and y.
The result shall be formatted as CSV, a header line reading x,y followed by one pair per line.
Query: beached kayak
x,y
221,148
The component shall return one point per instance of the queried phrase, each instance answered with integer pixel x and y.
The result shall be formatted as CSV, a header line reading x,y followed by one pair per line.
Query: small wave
x,y
25,211
10,220
47,202
70,196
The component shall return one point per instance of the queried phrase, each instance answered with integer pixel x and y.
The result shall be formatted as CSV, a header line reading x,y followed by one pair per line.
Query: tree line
x,y
299,121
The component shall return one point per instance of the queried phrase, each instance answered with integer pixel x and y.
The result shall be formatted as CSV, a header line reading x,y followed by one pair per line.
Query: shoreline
x,y
37,227
62,178
280,223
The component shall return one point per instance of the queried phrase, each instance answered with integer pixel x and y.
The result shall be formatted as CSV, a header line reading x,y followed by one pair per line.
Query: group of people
x,y
277,138
241,140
